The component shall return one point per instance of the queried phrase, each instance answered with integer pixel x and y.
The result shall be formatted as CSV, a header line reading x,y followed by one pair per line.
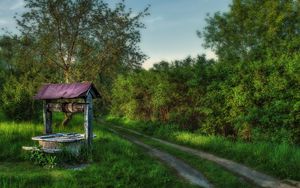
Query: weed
x,y
42,159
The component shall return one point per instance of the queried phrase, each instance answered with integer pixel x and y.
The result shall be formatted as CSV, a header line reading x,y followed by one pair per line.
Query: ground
x,y
115,162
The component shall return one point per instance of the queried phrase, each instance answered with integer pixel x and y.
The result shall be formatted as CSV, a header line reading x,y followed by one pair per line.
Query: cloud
x,y
19,4
211,55
169,57
154,19
3,22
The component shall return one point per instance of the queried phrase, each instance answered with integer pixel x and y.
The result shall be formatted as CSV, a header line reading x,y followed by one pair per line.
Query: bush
x,y
232,99
42,159
17,101
65,157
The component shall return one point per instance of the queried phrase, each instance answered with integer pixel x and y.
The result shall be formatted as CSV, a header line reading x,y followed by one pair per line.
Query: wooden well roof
x,y
66,91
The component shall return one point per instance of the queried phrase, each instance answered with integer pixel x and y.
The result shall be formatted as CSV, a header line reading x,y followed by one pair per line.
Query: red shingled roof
x,y
66,91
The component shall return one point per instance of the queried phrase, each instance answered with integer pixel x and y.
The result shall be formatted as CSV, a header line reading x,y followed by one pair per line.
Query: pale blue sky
x,y
171,27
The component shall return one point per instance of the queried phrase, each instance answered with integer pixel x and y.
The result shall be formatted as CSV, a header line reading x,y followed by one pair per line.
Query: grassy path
x,y
280,160
183,169
217,176
255,177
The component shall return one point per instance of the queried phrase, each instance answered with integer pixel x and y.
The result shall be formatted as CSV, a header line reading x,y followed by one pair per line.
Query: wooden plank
x,y
88,118
61,137
47,116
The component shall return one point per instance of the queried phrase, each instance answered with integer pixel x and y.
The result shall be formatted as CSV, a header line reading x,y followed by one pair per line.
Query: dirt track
x,y
257,178
183,169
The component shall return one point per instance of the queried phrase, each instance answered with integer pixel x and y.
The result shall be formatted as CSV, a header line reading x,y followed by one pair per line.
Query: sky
x,y
170,29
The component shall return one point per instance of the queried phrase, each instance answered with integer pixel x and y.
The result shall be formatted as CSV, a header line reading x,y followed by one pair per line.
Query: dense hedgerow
x,y
248,100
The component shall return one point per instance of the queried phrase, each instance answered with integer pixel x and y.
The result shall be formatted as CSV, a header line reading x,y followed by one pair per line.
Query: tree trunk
x,y
67,74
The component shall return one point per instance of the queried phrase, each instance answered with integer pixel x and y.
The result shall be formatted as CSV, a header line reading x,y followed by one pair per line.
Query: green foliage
x,y
17,101
67,41
82,39
42,159
254,30
60,159
216,98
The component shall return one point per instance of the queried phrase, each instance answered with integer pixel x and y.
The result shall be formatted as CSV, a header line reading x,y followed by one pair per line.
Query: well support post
x,y
47,116
88,118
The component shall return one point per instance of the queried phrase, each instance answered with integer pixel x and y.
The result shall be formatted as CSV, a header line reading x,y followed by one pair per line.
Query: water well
x,y
51,94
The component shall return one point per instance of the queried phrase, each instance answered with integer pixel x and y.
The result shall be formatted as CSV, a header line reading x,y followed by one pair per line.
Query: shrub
x,y
49,160
43,159
232,99
17,101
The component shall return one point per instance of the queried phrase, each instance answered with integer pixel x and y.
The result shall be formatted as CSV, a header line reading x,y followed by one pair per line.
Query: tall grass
x,y
13,136
116,162
281,160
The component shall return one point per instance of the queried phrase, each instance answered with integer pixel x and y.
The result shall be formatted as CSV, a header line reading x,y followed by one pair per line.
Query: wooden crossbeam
x,y
66,107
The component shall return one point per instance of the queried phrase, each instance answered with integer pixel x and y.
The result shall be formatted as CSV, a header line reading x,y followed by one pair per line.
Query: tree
x,y
82,38
19,78
71,41
254,30
5,55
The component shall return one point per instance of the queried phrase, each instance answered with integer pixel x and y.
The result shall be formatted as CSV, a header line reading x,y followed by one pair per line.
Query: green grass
x,y
280,160
214,173
116,162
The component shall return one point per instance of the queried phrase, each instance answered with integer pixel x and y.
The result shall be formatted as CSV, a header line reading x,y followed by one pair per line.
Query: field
x,y
115,162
